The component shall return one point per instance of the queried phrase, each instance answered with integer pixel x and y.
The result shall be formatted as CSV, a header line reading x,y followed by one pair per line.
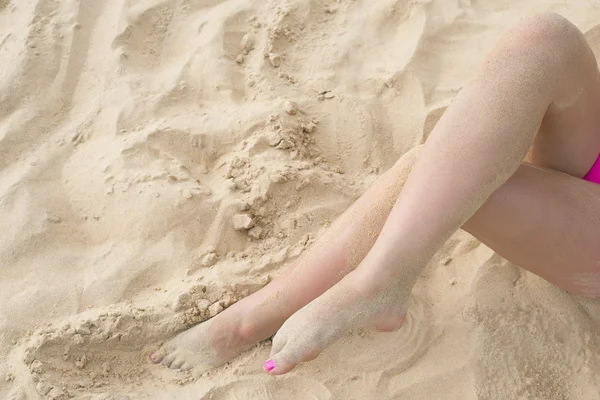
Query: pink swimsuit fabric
x,y
594,174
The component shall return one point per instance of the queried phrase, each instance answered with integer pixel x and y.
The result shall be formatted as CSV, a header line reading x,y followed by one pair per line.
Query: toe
x,y
283,361
168,360
278,367
177,363
185,367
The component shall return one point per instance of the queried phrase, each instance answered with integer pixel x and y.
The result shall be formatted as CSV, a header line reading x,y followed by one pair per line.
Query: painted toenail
x,y
269,365
152,357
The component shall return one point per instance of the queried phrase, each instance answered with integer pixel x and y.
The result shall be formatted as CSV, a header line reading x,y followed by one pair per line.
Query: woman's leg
x,y
543,75
335,253
547,222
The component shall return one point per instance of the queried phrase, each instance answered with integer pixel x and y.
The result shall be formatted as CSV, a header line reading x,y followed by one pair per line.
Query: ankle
x,y
239,320
256,323
255,329
373,283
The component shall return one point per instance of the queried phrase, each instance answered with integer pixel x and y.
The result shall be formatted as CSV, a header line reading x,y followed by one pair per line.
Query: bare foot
x,y
206,345
374,302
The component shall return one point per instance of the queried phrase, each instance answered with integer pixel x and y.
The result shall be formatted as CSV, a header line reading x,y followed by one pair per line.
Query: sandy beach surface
x,y
158,157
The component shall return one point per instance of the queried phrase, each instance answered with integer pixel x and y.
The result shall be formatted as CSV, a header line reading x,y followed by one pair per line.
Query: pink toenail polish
x,y
152,357
269,365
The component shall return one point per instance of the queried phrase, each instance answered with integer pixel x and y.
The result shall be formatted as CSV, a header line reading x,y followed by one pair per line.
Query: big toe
x,y
287,359
277,365
157,356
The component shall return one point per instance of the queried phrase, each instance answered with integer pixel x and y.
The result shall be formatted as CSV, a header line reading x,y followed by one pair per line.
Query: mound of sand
x,y
161,159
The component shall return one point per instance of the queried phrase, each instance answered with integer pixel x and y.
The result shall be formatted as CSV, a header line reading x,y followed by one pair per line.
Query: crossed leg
x,y
536,207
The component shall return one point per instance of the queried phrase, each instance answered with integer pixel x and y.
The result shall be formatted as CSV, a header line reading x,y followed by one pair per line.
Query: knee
x,y
545,48
550,36
410,157
404,165
560,35
551,24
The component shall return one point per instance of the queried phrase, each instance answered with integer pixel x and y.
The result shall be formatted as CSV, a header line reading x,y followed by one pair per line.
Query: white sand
x,y
133,133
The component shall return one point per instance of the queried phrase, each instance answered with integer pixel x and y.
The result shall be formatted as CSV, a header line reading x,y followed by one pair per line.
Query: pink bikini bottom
x,y
594,174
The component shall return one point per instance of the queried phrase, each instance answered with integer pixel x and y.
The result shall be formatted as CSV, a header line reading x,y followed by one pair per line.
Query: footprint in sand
x,y
103,354
94,352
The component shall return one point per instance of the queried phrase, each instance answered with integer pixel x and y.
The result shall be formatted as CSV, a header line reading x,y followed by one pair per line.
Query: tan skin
x,y
537,93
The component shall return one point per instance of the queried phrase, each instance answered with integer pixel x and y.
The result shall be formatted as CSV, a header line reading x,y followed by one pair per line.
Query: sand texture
x,y
158,157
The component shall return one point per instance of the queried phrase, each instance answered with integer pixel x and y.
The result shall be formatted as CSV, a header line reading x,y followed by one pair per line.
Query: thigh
x,y
547,222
